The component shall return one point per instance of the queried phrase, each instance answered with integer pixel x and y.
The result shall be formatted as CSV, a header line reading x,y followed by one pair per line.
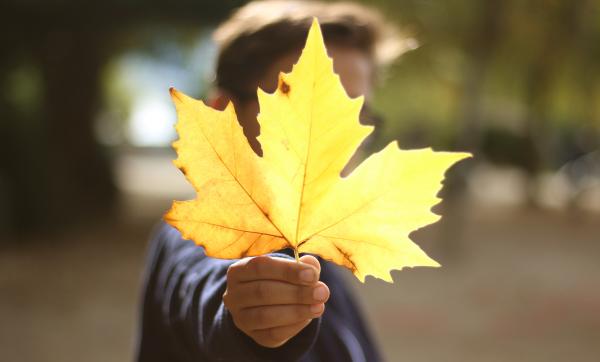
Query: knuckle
x,y
253,265
290,273
302,294
257,338
260,291
300,312
260,316
244,321
276,335
231,272
264,340
263,316
227,299
239,321
261,266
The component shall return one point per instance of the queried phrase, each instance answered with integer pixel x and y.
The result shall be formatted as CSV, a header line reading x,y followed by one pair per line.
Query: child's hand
x,y
273,299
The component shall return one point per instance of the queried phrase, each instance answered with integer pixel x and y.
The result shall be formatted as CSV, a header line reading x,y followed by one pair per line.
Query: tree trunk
x,y
79,179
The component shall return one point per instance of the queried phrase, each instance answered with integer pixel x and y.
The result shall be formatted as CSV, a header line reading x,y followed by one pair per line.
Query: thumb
x,y
309,259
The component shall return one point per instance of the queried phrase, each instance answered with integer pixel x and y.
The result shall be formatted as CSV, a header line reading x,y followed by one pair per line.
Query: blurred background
x,y
86,124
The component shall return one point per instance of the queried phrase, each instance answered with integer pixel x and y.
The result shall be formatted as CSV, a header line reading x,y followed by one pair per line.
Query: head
x,y
264,38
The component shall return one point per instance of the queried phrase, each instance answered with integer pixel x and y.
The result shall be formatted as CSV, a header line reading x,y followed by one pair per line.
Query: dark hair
x,y
260,32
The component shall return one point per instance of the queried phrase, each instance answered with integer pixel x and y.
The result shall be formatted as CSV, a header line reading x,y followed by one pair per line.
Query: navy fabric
x,y
183,317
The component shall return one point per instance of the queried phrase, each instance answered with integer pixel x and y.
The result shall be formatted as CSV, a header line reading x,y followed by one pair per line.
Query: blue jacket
x,y
183,317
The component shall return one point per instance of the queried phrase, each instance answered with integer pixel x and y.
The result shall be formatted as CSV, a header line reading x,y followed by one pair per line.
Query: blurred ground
x,y
518,284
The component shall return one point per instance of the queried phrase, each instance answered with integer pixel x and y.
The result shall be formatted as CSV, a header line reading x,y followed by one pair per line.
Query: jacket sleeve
x,y
183,297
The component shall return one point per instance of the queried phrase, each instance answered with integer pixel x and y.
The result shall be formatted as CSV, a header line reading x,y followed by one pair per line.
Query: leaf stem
x,y
296,255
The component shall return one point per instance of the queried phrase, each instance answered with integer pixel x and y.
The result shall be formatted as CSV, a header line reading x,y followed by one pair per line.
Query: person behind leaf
x,y
267,308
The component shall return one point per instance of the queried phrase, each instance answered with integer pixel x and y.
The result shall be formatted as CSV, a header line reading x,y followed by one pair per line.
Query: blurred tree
x,y
54,173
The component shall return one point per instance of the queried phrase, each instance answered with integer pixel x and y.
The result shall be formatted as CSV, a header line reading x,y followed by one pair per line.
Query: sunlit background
x,y
87,122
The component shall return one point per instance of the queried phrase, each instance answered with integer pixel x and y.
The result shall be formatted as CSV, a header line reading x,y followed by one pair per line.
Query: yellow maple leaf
x,y
294,196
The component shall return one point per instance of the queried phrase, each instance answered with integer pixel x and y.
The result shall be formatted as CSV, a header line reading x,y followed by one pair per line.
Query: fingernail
x,y
316,308
307,275
320,293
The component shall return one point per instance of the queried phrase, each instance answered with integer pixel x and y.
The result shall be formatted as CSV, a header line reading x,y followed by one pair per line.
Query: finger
x,y
278,315
273,268
271,292
277,336
309,259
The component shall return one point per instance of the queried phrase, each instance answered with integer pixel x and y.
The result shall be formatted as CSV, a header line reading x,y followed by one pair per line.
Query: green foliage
x,y
526,68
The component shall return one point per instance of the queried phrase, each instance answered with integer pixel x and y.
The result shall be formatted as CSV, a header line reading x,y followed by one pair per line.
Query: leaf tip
x,y
462,155
455,157
315,36
314,26
175,94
